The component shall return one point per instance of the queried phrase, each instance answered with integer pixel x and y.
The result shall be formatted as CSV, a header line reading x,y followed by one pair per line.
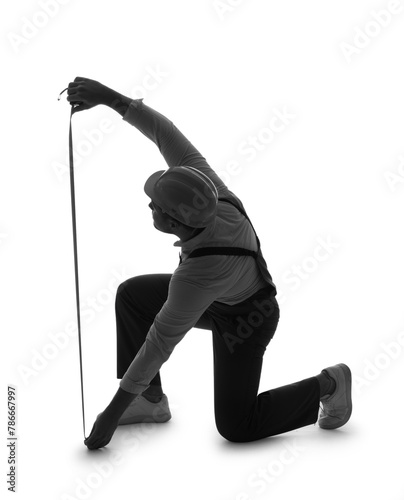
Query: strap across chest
x,y
201,252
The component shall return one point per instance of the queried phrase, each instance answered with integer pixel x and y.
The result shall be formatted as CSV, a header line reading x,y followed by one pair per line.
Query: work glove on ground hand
x,y
107,421
102,431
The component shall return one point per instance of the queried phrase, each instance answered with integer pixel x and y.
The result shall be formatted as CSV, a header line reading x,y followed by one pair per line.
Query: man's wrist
x,y
119,403
118,102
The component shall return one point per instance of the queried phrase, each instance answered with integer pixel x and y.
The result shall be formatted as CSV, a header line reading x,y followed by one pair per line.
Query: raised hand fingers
x,y
74,99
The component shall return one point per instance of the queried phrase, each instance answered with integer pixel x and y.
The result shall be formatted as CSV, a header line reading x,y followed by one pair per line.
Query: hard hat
x,y
185,193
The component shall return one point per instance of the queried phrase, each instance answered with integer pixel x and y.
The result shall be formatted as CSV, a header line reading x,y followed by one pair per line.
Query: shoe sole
x,y
348,387
140,419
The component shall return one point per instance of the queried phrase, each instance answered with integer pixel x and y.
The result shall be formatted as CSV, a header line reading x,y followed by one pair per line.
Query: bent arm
x,y
189,295
176,149
179,314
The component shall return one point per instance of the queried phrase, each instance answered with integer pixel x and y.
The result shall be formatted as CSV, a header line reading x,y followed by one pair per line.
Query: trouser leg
x,y
138,300
241,334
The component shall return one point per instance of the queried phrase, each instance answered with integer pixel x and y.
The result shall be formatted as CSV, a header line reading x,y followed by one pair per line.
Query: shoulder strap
x,y
245,215
200,252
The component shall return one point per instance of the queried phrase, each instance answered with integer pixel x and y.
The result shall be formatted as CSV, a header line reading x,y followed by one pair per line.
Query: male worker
x,y
222,284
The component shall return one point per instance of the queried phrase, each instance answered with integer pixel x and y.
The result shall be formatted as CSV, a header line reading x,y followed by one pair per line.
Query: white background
x,y
335,172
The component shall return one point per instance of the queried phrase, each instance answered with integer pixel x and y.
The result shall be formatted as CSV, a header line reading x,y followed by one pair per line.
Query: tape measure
x,y
76,266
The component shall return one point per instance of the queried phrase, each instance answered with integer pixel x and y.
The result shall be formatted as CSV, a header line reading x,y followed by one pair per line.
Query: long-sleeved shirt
x,y
197,282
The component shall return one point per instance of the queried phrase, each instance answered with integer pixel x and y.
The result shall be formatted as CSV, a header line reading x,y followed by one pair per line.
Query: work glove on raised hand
x,y
84,93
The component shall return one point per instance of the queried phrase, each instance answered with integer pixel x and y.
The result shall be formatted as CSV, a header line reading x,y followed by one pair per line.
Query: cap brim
x,y
150,183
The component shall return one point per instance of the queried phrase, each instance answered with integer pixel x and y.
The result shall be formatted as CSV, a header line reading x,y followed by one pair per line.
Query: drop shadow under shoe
x,y
337,407
141,410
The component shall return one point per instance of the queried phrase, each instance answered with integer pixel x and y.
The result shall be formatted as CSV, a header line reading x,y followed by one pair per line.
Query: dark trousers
x,y
240,335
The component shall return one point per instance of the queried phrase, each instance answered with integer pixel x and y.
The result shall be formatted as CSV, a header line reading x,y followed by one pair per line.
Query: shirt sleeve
x,y
176,149
190,293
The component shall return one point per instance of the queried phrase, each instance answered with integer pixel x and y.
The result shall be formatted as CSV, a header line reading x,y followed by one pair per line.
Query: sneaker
x,y
142,410
337,407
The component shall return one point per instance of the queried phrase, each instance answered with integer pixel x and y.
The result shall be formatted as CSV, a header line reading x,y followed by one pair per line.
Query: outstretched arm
x,y
173,145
